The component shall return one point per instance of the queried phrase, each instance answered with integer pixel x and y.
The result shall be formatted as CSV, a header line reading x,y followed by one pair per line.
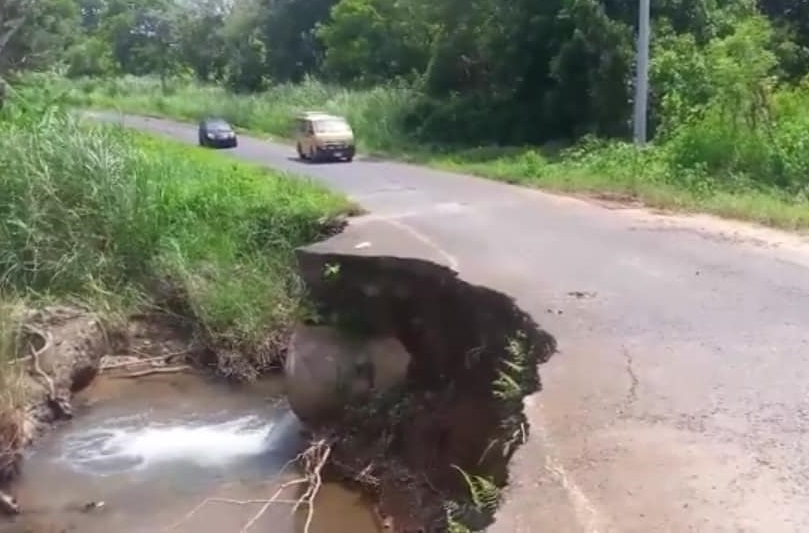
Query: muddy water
x,y
153,450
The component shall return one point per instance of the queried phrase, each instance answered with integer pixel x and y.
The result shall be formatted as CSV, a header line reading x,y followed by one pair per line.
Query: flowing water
x,y
174,453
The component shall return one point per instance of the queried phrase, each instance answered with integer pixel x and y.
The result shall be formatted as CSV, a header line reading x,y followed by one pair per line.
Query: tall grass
x,y
89,209
11,316
713,158
377,115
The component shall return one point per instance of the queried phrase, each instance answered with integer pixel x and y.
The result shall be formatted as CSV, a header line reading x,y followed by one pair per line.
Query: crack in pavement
x,y
632,393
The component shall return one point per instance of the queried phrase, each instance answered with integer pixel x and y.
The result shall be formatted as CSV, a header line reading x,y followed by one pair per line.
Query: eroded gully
x,y
680,399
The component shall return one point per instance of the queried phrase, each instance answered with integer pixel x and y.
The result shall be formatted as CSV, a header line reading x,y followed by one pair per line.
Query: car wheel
x,y
301,155
312,154
349,159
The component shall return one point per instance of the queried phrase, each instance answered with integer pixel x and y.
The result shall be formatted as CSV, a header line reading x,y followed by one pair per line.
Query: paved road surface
x,y
680,399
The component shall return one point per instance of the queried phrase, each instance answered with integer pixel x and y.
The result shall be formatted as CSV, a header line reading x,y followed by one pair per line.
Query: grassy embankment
x,y
111,218
714,164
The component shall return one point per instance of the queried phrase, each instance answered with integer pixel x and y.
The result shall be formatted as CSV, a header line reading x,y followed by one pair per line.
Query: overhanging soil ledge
x,y
434,450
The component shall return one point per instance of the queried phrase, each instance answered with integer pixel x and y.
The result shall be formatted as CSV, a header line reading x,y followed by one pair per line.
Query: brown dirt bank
x,y
60,350
439,445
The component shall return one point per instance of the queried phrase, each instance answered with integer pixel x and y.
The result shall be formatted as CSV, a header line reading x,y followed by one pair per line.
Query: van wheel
x,y
301,155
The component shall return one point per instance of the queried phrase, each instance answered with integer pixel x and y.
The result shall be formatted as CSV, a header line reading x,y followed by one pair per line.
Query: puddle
x,y
153,449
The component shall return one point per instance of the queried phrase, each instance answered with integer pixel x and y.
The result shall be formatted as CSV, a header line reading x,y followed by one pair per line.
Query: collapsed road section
x,y
413,377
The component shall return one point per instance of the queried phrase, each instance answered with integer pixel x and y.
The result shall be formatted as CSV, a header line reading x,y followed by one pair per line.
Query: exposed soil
x,y
61,351
456,411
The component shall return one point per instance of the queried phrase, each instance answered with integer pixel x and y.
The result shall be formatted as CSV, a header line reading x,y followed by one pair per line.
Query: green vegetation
x,y
481,87
11,389
112,217
484,499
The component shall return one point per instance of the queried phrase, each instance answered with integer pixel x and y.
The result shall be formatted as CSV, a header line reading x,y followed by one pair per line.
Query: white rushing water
x,y
135,443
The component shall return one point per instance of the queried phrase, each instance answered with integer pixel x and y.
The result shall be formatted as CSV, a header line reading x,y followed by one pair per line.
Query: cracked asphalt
x,y
679,400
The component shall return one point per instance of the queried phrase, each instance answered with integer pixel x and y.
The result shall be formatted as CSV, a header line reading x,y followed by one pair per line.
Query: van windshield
x,y
331,125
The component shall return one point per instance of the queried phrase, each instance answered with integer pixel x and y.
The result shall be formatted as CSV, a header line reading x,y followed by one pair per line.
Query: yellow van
x,y
321,135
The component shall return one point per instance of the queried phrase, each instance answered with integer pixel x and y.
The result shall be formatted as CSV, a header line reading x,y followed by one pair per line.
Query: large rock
x,y
325,368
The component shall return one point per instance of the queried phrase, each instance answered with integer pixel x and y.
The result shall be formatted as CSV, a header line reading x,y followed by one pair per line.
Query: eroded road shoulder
x,y
680,398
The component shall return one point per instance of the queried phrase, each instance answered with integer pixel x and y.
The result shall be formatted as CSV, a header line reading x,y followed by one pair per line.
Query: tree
x,y
245,69
373,41
35,33
202,40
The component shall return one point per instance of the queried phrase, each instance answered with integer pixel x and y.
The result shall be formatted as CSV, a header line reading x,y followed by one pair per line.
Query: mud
x,y
458,418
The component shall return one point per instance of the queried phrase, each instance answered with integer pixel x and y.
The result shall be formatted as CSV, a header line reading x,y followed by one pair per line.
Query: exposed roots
x,y
311,461
155,370
46,337
154,364
314,459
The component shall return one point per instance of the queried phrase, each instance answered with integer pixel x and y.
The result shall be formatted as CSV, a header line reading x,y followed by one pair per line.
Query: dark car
x,y
217,133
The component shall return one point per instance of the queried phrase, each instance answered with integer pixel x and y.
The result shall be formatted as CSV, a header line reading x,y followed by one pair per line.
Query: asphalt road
x,y
680,399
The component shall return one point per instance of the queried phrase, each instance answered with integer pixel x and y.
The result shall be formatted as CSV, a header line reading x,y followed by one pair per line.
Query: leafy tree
x,y
35,33
201,38
373,41
246,51
483,70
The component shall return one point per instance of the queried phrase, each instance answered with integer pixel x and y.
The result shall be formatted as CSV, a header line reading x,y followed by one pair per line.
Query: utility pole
x,y
642,74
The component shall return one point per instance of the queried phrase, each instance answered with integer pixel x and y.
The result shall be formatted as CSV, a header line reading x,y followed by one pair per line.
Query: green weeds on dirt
x,y
11,389
747,166
99,214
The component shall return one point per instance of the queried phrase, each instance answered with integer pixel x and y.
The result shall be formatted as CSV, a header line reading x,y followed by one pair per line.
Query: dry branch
x,y
312,461
155,370
157,361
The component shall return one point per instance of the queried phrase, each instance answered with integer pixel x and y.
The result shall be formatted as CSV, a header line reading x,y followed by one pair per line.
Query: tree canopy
x,y
487,70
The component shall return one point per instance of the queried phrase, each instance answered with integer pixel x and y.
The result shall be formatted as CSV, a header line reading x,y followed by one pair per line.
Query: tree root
x,y
59,405
130,361
312,461
35,360
155,370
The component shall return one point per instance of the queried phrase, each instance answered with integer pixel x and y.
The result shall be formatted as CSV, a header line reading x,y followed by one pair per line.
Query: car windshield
x,y
219,127
331,125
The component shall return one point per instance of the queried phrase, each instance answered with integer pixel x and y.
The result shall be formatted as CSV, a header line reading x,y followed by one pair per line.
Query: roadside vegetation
x,y
471,86
120,222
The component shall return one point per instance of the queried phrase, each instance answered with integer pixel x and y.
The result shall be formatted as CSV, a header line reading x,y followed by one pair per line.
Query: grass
x,y
100,214
12,389
657,176
11,314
